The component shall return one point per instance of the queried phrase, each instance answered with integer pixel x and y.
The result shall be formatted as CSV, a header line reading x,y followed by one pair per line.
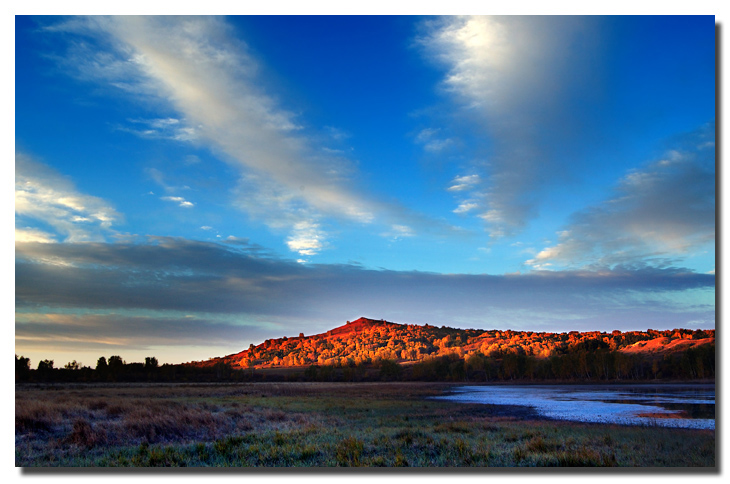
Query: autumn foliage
x,y
367,341
378,350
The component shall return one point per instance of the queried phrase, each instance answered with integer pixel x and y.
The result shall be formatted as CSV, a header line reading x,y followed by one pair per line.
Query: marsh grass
x,y
319,424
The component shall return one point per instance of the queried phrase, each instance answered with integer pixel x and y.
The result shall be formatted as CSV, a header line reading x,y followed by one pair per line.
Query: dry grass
x,y
318,424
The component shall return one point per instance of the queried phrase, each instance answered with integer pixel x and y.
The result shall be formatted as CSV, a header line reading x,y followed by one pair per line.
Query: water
x,y
670,405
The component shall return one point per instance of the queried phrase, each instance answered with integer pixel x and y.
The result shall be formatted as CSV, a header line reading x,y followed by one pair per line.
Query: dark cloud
x,y
236,281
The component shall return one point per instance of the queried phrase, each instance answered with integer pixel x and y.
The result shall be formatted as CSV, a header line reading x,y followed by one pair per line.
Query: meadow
x,y
316,424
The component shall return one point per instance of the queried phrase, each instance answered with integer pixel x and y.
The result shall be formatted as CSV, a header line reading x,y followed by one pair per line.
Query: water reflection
x,y
685,406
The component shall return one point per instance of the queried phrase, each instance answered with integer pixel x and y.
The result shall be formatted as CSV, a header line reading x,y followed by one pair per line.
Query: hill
x,y
369,341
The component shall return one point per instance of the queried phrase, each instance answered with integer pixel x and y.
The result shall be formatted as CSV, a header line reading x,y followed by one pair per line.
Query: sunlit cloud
x,y
42,195
33,235
306,238
508,74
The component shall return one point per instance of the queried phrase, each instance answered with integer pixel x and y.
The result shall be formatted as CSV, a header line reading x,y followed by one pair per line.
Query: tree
x,y
72,365
150,363
45,365
116,366
101,364
22,368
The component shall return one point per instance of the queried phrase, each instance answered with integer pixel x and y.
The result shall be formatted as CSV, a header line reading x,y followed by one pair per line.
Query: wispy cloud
x,y
196,66
160,128
179,200
431,140
398,232
44,196
509,75
466,182
664,210
466,206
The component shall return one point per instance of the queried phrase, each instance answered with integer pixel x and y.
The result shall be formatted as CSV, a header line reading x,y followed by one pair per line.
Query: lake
x,y
667,405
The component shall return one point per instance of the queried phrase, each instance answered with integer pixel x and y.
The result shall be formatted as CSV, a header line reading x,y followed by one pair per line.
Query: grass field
x,y
319,425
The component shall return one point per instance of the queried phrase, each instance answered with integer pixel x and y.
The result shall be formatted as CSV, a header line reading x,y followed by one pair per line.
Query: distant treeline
x,y
589,365
115,369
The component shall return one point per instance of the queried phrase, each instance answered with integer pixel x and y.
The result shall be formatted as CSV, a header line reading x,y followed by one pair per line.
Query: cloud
x,y
179,200
466,206
466,182
399,231
509,75
161,128
662,211
196,66
33,235
169,274
123,330
427,137
306,239
44,196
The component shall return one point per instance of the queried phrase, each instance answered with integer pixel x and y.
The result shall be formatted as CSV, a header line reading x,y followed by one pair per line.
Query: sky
x,y
186,186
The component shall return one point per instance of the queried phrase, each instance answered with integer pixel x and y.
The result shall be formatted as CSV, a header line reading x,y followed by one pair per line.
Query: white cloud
x,y
466,182
43,195
195,64
179,200
306,238
466,206
508,75
198,67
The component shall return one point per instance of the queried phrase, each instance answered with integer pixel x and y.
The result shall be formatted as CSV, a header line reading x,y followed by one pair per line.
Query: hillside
x,y
366,341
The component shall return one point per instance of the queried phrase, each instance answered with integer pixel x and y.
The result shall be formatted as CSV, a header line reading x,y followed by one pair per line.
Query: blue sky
x,y
187,186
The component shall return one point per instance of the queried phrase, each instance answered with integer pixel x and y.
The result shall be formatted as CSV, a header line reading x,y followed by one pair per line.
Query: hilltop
x,y
369,341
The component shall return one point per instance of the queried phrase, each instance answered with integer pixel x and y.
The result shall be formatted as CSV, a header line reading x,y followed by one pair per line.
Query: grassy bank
x,y
319,424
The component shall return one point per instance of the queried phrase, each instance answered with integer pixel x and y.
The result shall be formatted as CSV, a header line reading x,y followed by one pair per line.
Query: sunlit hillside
x,y
365,341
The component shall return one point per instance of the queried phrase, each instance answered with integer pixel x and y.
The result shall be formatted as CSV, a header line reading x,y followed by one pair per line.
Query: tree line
x,y
582,365
115,369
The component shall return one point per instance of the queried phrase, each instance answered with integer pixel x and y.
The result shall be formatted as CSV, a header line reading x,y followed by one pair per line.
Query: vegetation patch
x,y
319,425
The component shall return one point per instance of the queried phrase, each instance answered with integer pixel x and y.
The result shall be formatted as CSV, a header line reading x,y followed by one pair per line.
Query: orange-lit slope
x,y
368,340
